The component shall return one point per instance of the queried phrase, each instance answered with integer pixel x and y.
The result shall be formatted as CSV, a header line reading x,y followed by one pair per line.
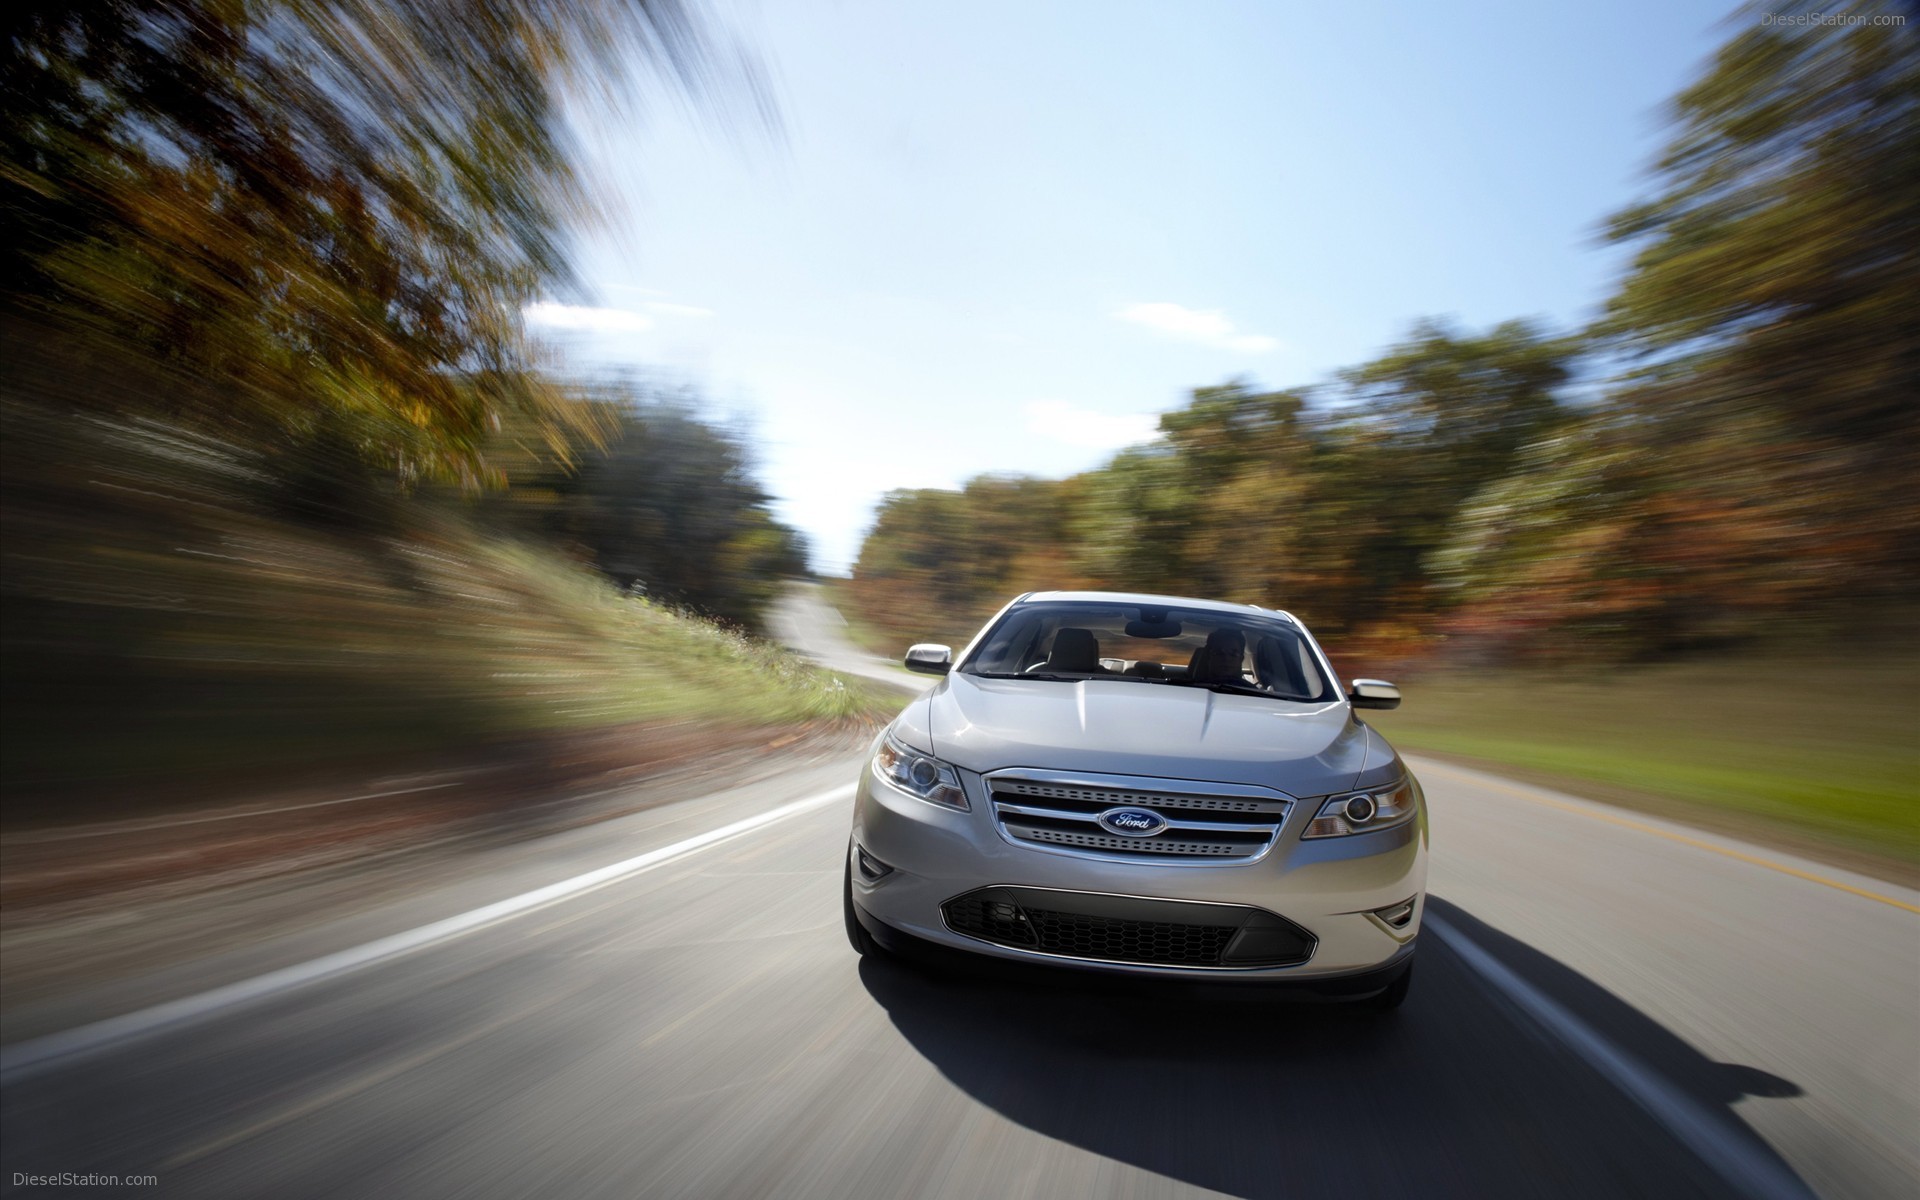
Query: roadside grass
x,y
1816,751
580,653
260,645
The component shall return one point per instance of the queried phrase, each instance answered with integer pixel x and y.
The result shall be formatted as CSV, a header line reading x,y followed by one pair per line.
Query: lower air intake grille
x,y
1130,941
1129,929
1003,923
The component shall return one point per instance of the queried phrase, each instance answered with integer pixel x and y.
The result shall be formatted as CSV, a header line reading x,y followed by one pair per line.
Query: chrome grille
x,y
1062,812
1110,797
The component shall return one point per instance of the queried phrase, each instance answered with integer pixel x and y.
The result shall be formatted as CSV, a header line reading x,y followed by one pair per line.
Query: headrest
x,y
1229,645
1270,664
1231,641
1074,650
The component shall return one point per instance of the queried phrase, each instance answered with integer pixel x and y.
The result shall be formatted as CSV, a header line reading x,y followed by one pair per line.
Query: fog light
x,y
1397,915
871,868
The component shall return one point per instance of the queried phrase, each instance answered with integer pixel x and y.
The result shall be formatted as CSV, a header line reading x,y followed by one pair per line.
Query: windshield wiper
x,y
1029,675
1227,685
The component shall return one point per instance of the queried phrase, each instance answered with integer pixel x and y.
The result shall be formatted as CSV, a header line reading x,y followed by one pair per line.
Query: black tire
x,y
1393,997
862,941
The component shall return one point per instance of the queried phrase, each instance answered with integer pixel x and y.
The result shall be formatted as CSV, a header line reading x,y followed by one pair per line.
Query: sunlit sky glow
x,y
1004,237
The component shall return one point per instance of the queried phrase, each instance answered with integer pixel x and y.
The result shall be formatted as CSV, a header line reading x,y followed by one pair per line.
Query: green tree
x,y
313,222
1130,526
669,506
1778,265
936,562
1246,459
1757,462
1421,430
1261,497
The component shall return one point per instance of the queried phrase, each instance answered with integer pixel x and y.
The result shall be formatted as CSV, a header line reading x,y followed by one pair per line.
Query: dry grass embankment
x,y
1808,747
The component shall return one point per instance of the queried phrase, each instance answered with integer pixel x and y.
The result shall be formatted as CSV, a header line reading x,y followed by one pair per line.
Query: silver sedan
x,y
1149,785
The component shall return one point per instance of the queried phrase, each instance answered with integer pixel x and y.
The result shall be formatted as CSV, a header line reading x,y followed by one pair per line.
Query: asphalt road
x,y
804,620
1606,1006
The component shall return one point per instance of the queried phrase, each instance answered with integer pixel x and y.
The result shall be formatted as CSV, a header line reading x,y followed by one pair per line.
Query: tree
x,y
1260,497
1245,461
938,562
1423,428
669,506
1778,267
1773,311
311,221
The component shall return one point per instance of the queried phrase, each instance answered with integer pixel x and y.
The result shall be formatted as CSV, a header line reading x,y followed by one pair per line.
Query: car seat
x,y
1074,650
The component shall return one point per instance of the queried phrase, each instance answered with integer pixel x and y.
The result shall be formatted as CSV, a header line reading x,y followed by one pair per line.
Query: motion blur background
x,y
389,378
401,391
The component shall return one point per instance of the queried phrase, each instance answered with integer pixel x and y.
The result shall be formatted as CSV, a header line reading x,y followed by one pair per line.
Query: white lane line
x,y
1704,1132
26,1059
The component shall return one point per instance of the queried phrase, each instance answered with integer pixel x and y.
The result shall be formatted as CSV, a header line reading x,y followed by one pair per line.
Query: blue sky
x,y
1003,237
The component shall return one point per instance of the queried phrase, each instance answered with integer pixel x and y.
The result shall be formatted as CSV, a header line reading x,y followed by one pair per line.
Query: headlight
x,y
921,776
1362,812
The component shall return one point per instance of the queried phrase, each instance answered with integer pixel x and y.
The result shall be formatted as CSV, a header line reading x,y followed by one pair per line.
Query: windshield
x,y
1152,644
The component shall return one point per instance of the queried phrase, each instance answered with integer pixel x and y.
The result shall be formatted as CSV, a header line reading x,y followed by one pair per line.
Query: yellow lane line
x,y
1683,839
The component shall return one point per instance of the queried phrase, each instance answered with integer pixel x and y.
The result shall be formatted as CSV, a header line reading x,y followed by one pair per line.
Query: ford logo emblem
x,y
1132,822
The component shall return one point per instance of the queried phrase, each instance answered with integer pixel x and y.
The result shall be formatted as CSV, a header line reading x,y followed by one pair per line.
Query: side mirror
x,y
929,658
1374,693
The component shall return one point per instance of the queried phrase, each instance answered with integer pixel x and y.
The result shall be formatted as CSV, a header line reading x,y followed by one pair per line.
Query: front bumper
x,y
1329,888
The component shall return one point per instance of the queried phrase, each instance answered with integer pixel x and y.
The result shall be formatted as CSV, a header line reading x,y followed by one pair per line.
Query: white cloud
x,y
589,320
1208,326
585,319
1091,430
677,310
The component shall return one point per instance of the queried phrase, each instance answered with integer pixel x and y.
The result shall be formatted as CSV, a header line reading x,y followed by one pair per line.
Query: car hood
x,y
1124,728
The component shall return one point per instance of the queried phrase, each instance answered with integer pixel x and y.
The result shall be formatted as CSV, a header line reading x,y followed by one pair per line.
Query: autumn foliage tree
x,y
1754,466
265,382
1741,458
1327,503
313,222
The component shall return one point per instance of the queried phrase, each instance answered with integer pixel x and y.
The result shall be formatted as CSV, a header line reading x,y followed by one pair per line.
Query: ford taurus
x,y
1149,785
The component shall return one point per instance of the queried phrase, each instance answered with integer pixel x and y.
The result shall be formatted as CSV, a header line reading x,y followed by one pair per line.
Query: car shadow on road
x,y
1457,1094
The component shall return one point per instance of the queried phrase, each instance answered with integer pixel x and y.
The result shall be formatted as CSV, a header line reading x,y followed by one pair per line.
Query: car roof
x,y
1150,598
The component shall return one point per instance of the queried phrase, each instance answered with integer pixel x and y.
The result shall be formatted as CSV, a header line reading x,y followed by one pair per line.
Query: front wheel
x,y
862,941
